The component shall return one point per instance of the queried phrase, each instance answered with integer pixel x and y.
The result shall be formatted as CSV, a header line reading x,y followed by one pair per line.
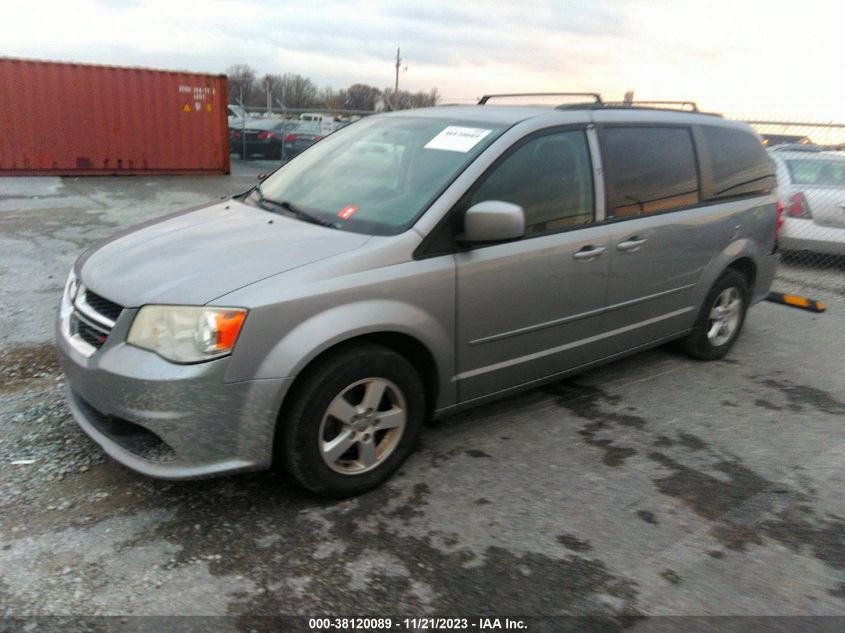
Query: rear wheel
x,y
352,422
721,318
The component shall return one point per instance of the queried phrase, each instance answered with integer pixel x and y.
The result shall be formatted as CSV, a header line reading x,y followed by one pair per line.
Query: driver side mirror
x,y
493,221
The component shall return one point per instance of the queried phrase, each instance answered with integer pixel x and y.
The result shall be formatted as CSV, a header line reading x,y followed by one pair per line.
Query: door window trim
x,y
436,238
708,182
601,127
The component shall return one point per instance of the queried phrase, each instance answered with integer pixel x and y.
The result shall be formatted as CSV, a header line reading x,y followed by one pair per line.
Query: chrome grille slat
x,y
102,306
83,307
82,317
93,318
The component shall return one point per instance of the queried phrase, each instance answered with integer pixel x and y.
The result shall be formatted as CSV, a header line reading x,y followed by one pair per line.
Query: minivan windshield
x,y
378,175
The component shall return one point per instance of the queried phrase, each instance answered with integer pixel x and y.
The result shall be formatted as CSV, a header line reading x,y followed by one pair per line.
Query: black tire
x,y
697,343
298,445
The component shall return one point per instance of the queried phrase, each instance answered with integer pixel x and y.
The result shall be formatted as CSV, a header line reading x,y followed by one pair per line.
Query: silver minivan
x,y
408,266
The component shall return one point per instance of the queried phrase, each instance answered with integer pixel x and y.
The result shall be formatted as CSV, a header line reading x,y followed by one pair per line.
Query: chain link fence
x,y
810,161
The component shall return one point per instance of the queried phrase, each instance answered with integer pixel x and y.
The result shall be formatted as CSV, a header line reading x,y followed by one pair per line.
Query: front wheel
x,y
721,318
353,420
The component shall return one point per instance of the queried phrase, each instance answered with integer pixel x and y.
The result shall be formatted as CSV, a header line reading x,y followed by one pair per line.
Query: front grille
x,y
93,317
107,308
90,335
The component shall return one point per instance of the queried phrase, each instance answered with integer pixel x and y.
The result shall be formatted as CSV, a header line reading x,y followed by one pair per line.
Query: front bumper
x,y
165,420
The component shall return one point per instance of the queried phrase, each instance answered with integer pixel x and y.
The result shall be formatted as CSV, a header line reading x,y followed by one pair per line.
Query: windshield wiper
x,y
273,205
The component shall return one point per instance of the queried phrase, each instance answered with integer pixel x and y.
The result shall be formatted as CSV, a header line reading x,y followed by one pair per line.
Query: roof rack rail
x,y
658,105
597,102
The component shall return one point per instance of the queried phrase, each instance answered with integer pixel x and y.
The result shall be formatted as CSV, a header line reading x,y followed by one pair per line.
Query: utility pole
x,y
398,63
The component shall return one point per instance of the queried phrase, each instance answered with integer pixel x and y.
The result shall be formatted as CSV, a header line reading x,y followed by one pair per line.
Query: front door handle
x,y
631,244
588,252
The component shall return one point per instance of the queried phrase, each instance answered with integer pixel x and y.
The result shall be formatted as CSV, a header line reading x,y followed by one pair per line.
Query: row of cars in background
x,y
276,138
811,190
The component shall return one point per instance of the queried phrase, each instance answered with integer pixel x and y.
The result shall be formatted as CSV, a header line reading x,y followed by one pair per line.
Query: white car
x,y
237,115
811,190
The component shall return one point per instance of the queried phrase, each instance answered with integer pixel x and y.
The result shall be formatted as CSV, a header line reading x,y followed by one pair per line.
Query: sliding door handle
x,y
588,252
631,244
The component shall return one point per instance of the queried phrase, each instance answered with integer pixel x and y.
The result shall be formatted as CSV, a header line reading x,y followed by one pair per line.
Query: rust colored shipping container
x,y
78,119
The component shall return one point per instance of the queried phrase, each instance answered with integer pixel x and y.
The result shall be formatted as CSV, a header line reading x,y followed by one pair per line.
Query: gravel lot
x,y
652,486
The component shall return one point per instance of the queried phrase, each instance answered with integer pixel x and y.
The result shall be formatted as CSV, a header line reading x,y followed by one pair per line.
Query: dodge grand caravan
x,y
409,265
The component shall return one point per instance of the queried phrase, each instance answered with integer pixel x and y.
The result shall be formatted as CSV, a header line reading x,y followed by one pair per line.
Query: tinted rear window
x,y
648,170
739,161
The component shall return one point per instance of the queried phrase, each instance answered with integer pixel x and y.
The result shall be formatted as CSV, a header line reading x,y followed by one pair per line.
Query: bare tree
x,y
362,97
296,91
271,87
241,82
334,99
404,100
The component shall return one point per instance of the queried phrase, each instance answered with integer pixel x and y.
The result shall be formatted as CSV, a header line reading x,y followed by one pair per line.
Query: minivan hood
x,y
194,257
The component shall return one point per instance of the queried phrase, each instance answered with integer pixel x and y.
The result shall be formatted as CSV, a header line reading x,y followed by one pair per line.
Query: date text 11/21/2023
x,y
416,624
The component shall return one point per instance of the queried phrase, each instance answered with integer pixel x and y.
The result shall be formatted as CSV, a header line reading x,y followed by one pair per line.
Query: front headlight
x,y
186,334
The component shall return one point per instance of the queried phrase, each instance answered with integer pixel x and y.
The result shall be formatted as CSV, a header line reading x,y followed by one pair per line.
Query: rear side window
x,y
740,164
648,170
550,177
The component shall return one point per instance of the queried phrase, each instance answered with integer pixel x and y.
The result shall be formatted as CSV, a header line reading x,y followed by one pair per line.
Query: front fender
x,y
322,331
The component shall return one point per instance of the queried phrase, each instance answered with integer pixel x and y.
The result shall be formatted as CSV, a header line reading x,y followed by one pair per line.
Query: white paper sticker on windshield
x,y
457,139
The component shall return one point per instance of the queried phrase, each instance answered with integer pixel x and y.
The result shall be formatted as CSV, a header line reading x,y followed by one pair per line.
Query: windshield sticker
x,y
457,139
347,212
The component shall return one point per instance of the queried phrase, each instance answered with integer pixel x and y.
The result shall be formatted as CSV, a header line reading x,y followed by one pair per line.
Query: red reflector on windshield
x,y
347,212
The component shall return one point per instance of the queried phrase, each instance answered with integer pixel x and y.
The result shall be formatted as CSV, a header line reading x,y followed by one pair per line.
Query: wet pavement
x,y
655,485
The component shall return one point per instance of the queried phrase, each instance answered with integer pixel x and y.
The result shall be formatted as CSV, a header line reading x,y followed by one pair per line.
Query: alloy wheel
x,y
724,317
362,426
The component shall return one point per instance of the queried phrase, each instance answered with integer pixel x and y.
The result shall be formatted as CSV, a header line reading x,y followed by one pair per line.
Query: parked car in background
x,y
237,115
414,264
236,112
303,136
260,136
811,190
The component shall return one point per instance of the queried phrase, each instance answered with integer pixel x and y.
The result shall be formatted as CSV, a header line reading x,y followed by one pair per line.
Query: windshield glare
x,y
380,174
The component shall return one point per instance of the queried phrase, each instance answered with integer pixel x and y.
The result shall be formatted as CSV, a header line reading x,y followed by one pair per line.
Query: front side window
x,y
648,170
378,175
739,161
550,177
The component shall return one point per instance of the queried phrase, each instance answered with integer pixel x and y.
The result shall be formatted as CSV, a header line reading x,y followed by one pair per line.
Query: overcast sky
x,y
774,59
